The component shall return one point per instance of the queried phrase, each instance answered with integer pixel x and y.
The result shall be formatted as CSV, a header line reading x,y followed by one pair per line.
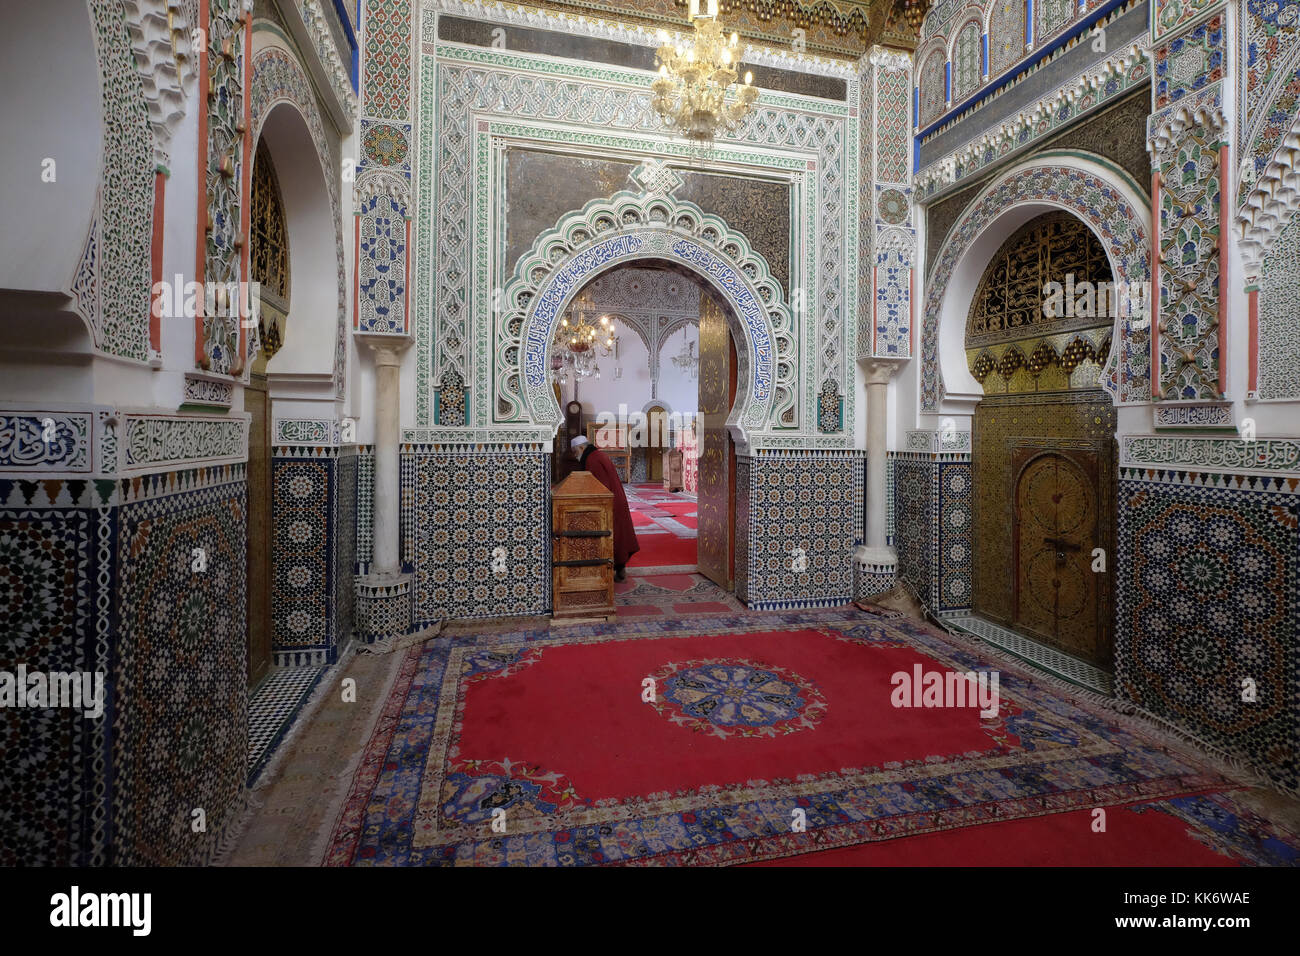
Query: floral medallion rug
x,y
756,737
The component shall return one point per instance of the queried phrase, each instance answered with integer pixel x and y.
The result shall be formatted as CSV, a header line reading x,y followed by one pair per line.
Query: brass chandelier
x,y
577,341
690,93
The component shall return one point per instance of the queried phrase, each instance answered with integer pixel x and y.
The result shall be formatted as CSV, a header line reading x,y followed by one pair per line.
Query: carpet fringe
x,y
247,808
1129,715
398,642
270,769
343,781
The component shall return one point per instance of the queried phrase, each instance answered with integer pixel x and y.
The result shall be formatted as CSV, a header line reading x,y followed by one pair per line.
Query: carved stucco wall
x,y
477,99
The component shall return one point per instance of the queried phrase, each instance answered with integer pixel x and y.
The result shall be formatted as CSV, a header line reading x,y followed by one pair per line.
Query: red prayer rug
x,y
757,737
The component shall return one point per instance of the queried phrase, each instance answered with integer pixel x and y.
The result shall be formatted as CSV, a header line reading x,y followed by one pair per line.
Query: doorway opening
x,y
655,395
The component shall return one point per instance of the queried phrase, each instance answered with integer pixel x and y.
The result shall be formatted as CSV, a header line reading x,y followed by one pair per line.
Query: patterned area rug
x,y
656,595
767,736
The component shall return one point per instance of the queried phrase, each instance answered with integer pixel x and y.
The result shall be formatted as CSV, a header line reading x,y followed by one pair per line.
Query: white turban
x,y
578,441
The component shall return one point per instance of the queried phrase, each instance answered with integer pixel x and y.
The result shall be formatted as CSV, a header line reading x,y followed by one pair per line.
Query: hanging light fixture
x,y
694,80
578,341
687,360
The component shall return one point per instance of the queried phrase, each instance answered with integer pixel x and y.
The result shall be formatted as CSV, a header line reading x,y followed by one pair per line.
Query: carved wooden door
x,y
1056,530
716,466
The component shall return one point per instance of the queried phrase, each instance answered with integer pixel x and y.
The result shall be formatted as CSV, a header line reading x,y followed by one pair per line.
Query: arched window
x,y
269,253
968,61
933,95
1042,314
1006,35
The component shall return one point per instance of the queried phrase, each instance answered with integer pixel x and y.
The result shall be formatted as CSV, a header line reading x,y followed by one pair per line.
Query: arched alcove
x,y
1107,201
308,347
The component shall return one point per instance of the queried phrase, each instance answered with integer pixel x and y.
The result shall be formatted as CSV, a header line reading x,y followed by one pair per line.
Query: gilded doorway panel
x,y
1010,432
716,487
1056,530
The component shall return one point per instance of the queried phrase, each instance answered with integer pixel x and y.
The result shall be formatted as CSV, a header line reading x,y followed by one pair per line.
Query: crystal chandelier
x,y
688,361
693,81
578,340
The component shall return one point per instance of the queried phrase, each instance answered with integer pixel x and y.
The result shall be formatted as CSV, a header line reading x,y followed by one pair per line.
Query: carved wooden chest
x,y
582,551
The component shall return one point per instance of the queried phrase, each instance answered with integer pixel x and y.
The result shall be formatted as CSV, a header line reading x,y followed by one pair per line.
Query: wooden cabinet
x,y
672,469
612,440
582,547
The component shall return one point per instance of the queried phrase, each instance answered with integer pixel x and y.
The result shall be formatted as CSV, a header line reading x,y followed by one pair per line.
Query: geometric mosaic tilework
x,y
302,506
956,483
916,498
273,708
365,507
1209,596
1040,655
1121,230
54,567
932,505
180,719
803,514
464,509
870,580
344,540
383,610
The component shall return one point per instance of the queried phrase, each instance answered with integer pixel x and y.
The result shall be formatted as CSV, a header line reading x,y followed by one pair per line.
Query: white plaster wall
x,y
313,292
50,109
677,388
632,389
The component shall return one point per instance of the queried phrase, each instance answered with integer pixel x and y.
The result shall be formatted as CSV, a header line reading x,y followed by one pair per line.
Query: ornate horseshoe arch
x,y
1109,203
626,228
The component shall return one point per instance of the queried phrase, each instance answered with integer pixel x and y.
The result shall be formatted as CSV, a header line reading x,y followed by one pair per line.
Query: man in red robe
x,y
592,459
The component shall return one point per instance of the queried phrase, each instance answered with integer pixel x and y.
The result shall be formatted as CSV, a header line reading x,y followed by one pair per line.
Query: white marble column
x,y
876,560
386,559
383,607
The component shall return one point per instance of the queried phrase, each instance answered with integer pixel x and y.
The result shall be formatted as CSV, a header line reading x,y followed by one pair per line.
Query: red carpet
x,y
664,551
765,737
652,507
559,712
1063,839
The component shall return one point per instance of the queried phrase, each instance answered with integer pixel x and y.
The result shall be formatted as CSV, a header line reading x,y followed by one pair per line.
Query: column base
x,y
383,606
875,571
